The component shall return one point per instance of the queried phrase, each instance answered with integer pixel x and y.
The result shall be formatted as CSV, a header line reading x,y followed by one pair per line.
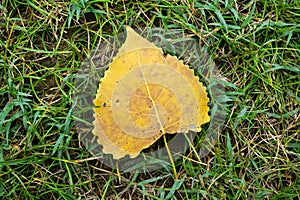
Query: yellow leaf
x,y
144,95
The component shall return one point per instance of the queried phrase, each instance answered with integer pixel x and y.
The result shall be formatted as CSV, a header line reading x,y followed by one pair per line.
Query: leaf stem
x,y
118,172
170,156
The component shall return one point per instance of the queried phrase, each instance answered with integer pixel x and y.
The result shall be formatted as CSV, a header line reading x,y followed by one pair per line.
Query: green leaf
x,y
221,18
175,187
248,18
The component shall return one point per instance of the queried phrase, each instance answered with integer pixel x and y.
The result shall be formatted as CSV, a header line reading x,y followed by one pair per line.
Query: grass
x,y
255,45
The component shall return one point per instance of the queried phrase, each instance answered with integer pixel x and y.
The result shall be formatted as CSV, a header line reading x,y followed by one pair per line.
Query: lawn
x,y
255,46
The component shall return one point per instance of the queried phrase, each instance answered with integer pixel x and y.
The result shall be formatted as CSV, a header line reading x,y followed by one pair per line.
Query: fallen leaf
x,y
144,95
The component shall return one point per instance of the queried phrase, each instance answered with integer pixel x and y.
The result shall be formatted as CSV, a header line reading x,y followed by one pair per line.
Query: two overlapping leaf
x,y
144,95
